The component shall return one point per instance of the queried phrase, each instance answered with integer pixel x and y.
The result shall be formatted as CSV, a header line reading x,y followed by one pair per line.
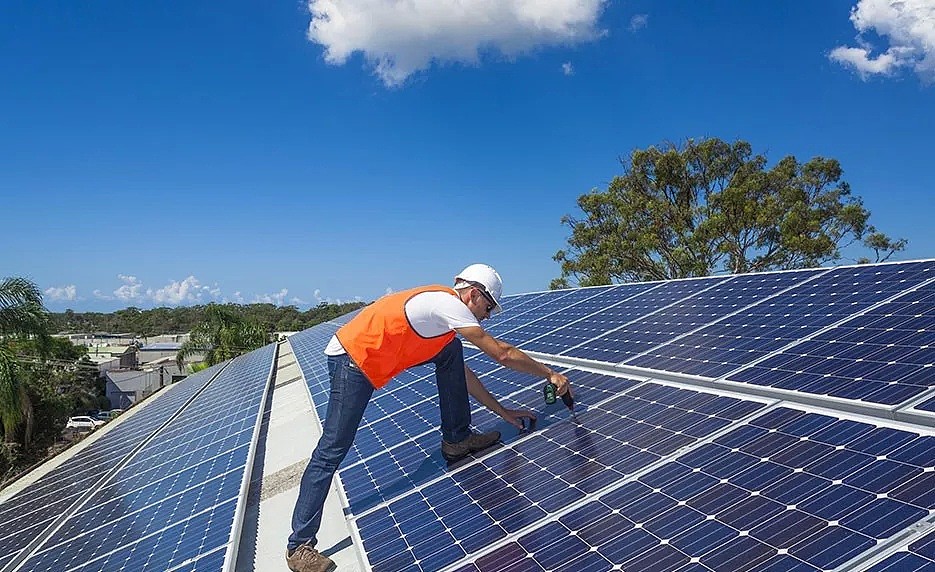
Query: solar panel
x,y
25,516
530,334
595,339
757,331
928,405
788,490
652,475
669,323
882,355
544,305
401,467
527,481
176,499
917,556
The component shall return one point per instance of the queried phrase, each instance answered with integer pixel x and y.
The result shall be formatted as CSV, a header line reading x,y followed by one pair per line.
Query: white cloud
x,y
908,26
63,293
101,295
400,38
568,69
175,293
277,299
238,297
639,22
130,291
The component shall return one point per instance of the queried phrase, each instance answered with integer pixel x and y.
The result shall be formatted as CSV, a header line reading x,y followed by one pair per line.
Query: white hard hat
x,y
487,277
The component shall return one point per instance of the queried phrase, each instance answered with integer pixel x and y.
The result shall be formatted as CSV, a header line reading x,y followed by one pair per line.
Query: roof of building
x,y
161,347
648,432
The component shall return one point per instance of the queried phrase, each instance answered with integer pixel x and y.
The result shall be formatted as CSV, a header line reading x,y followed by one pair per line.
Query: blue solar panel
x,y
545,305
536,335
309,349
595,338
176,497
528,308
788,490
917,556
526,481
663,478
883,355
769,325
928,405
402,467
24,517
671,322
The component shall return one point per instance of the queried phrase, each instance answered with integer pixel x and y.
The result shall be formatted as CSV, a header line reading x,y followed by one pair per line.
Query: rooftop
x,y
769,421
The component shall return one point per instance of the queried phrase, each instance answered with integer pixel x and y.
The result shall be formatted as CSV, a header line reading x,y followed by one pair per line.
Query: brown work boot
x,y
475,442
307,559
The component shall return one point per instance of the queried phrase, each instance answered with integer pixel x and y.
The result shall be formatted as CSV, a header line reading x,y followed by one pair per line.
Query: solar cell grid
x,y
172,546
594,338
790,490
759,330
213,562
402,467
309,349
725,299
528,334
389,420
24,516
178,492
917,556
882,356
516,304
927,405
532,308
523,483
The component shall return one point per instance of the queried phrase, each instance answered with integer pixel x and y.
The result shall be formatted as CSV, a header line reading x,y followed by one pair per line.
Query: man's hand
x,y
515,417
561,383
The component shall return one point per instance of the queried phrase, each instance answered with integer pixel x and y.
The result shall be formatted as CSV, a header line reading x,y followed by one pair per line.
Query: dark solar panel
x,y
884,355
917,556
789,490
767,326
650,476
176,497
670,323
25,516
594,339
527,481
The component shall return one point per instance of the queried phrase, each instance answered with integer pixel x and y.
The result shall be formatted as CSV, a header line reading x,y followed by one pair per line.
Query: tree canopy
x,y
223,335
21,316
710,206
183,319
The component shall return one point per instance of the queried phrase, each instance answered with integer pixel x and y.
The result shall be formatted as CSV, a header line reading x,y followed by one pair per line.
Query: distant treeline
x,y
185,318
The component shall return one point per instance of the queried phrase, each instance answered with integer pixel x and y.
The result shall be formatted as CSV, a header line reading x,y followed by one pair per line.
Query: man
x,y
396,332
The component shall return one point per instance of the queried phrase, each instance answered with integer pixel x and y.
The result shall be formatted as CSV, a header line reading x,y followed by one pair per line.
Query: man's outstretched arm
x,y
512,357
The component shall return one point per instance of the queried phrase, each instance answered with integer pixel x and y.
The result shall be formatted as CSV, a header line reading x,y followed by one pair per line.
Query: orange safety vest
x,y
382,342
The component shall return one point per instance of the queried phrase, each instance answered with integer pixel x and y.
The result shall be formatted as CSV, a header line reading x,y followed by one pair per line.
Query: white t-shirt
x,y
431,314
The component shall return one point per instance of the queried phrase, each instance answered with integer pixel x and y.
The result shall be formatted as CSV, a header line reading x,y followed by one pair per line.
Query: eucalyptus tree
x,y
711,206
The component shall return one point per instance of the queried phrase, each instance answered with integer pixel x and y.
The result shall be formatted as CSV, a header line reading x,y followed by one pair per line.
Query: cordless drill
x,y
549,392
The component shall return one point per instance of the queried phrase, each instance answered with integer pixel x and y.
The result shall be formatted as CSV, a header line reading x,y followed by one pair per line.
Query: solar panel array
x,y
163,489
775,421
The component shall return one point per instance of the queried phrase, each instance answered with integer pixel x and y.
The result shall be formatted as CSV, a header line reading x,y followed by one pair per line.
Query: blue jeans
x,y
350,393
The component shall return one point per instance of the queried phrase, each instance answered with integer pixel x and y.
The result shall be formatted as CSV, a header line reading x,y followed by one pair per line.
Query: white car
x,y
83,423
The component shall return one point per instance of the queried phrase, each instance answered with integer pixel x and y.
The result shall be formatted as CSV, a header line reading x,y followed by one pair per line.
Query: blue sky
x,y
163,154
